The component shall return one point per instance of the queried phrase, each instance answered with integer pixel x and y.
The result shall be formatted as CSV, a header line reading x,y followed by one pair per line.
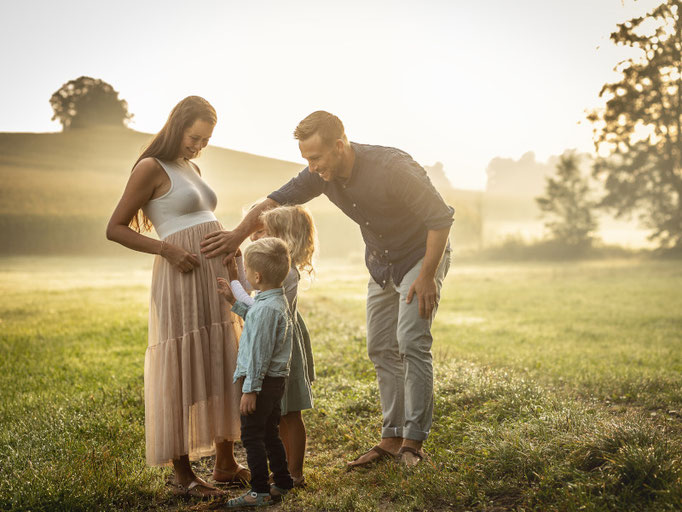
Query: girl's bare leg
x,y
292,431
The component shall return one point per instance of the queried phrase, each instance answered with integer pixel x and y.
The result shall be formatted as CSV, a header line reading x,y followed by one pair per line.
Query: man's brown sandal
x,y
381,455
408,449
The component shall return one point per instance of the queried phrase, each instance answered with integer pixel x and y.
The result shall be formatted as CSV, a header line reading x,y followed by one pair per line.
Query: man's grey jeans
x,y
399,344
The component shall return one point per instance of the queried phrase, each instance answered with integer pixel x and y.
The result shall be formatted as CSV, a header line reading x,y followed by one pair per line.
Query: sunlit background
x,y
558,339
454,82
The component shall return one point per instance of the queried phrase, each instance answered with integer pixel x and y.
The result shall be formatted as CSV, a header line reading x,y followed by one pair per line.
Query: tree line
x,y
638,141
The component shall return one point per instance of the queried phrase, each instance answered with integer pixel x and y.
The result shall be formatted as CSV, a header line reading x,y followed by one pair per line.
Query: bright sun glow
x,y
459,83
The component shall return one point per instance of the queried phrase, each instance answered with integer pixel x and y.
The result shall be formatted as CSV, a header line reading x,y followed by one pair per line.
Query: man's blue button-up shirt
x,y
390,197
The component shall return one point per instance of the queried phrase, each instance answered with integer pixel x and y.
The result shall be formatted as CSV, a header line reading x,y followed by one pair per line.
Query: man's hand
x,y
248,403
425,284
426,291
225,243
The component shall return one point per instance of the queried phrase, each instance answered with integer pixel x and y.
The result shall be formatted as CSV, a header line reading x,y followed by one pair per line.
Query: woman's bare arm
x,y
142,184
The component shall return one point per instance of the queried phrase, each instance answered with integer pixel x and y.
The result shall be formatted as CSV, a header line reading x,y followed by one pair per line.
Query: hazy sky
x,y
459,82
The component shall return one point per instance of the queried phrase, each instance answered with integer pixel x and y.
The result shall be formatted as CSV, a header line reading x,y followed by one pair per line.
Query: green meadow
x,y
558,387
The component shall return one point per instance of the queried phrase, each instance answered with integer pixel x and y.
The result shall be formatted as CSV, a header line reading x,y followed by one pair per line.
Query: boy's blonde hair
x,y
269,257
295,226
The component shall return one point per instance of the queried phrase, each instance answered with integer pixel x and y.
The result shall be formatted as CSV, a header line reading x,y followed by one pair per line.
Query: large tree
x,y
86,102
638,133
568,207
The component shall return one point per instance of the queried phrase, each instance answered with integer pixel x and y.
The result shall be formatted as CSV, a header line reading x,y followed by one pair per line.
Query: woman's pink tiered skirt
x,y
190,400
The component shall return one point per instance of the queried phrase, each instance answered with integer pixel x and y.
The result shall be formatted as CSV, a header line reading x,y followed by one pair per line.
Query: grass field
x,y
558,387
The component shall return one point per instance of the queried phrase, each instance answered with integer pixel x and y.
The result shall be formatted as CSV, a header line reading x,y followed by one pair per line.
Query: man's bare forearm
x,y
251,222
436,240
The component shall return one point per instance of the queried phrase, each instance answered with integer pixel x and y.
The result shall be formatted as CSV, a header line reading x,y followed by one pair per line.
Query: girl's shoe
x,y
298,481
277,493
250,499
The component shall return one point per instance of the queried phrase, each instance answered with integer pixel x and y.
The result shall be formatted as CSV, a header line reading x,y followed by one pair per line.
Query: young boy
x,y
262,368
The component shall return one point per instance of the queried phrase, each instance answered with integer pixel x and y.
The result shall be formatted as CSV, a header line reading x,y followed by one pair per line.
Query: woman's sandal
x,y
416,453
259,500
197,488
239,478
382,454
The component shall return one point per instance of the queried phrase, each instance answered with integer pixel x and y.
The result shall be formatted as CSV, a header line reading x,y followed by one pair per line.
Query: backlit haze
x,y
449,81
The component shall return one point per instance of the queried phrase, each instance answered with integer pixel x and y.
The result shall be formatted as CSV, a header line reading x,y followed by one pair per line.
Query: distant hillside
x,y
76,173
59,189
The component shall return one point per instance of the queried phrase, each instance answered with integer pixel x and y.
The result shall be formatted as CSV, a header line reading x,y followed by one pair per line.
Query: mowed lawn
x,y
558,387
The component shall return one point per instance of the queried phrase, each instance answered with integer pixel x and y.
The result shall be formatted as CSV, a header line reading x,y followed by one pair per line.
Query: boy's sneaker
x,y
250,499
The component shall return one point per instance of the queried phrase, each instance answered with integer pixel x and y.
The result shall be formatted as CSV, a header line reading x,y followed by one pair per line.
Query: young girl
x,y
295,226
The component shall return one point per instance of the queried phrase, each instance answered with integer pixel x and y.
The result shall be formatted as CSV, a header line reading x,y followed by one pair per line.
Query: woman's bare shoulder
x,y
148,166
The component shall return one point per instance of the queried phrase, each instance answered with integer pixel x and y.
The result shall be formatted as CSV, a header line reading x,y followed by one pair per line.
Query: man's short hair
x,y
269,257
326,125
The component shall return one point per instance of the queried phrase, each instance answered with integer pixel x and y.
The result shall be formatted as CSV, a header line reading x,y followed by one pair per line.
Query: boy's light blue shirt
x,y
266,340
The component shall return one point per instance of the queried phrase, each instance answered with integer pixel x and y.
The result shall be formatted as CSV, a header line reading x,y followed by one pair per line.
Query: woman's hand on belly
x,y
178,257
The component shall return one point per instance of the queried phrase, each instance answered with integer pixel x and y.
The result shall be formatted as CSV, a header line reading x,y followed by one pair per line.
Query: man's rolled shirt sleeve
x,y
409,185
300,189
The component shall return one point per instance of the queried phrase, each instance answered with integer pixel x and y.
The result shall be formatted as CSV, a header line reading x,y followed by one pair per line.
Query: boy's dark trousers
x,y
260,437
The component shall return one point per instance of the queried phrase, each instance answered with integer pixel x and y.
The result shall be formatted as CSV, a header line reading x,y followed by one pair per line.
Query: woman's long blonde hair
x,y
166,144
295,226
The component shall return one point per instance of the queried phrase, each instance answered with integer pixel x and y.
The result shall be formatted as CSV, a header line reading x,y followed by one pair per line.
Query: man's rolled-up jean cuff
x,y
405,433
391,432
414,434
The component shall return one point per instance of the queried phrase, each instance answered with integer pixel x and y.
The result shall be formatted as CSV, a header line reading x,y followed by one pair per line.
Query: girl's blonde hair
x,y
295,226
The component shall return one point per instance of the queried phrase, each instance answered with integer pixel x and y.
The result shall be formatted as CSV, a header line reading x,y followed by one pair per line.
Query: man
x,y
405,225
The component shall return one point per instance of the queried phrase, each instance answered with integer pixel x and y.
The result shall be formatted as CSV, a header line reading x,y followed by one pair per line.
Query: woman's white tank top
x,y
188,202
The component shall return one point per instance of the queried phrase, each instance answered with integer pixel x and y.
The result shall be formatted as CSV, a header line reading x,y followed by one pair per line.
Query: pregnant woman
x,y
191,404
